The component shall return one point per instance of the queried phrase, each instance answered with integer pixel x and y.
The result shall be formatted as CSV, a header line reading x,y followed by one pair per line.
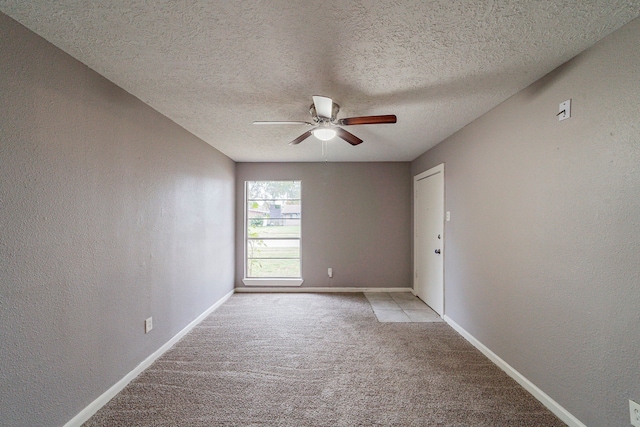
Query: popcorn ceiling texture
x,y
214,67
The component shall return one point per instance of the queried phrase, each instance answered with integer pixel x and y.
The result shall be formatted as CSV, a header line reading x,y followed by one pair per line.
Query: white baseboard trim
x,y
319,290
102,400
547,401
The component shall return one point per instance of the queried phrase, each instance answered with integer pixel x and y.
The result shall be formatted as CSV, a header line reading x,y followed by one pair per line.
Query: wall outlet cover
x,y
634,412
148,325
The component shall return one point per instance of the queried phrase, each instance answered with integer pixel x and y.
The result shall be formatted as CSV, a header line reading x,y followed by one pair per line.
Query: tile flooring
x,y
400,307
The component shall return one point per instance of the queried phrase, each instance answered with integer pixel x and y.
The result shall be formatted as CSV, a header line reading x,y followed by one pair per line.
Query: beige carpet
x,y
320,360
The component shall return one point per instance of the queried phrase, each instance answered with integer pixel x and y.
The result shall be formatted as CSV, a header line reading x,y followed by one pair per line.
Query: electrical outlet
x,y
330,272
148,325
634,413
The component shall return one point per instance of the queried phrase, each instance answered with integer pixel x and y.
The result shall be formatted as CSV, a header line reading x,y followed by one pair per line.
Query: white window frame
x,y
268,281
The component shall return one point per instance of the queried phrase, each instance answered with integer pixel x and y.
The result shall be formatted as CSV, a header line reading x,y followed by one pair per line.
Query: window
x,y
273,218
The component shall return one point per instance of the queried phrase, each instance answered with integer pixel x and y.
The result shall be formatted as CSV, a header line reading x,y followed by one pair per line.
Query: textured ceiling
x,y
215,66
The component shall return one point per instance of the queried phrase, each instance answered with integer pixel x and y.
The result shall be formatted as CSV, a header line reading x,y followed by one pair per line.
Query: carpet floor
x,y
320,360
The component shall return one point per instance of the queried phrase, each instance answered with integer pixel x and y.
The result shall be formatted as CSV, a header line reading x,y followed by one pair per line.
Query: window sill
x,y
272,282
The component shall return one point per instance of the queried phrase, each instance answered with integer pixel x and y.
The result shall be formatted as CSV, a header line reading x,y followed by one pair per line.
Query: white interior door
x,y
429,237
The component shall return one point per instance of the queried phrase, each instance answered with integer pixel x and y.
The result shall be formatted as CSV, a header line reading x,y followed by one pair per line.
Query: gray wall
x,y
109,213
355,219
542,259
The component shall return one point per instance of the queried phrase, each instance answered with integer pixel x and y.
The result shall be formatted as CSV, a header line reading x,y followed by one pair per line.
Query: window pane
x,y
273,190
275,209
273,218
273,268
273,248
289,228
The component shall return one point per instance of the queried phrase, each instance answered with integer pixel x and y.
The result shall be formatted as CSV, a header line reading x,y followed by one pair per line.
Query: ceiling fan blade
x,y
368,120
324,106
347,136
301,138
281,123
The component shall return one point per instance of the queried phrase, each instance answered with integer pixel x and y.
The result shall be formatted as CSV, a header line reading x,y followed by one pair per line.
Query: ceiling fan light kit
x,y
324,134
326,126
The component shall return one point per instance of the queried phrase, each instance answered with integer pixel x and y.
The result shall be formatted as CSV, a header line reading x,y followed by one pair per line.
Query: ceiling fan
x,y
325,124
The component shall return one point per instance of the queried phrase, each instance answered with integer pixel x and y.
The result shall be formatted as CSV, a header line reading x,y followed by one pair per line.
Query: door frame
x,y
433,171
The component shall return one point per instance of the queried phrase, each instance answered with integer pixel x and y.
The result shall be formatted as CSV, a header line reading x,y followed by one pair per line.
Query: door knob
x,y
438,251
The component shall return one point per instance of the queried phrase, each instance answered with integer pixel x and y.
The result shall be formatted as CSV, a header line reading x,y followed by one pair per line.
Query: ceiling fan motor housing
x,y
335,108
